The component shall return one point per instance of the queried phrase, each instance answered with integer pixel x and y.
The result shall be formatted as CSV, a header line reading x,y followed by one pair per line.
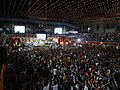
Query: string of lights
x,y
77,8
69,10
41,11
44,6
58,9
37,7
18,7
90,10
19,13
24,11
73,9
30,8
87,10
4,6
9,7
60,5
13,8
47,7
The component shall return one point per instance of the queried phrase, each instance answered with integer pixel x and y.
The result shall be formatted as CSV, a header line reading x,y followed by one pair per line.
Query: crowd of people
x,y
105,37
85,67
102,37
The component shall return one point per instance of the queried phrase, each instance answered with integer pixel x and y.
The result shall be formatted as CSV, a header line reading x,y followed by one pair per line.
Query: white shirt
x,y
46,88
85,87
55,87
54,71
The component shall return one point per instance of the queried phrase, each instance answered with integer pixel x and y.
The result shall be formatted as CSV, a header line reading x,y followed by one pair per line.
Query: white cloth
x,y
55,71
55,87
46,88
85,87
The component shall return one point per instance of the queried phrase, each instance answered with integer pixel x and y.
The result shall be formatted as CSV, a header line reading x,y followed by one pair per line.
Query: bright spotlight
x,y
88,29
78,39
101,42
80,45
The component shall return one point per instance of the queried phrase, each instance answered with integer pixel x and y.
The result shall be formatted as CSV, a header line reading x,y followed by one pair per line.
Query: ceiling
x,y
73,11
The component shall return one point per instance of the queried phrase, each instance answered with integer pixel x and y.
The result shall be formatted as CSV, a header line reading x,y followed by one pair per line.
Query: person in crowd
x,y
90,67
